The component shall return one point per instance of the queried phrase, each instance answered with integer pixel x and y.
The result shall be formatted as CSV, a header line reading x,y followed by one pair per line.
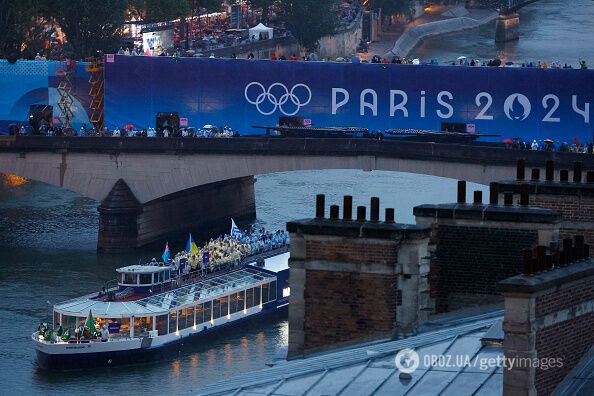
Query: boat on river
x,y
153,309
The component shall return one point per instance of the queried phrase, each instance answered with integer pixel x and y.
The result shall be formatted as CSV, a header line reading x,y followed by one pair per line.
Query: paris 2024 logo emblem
x,y
277,97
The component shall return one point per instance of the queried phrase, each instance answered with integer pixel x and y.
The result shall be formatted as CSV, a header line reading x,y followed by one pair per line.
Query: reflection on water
x,y
551,30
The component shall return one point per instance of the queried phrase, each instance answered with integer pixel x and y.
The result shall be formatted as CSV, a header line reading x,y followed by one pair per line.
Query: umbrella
x,y
461,57
508,141
548,141
509,63
129,126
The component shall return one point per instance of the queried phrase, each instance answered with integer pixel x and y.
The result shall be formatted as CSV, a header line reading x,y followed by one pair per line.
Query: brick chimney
x,y
354,280
476,245
568,191
549,317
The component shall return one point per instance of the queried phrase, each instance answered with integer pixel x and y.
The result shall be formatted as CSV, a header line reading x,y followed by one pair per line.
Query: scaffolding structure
x,y
64,72
96,92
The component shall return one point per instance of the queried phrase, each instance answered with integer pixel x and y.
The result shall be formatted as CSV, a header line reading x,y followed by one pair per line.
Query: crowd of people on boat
x,y
85,330
225,251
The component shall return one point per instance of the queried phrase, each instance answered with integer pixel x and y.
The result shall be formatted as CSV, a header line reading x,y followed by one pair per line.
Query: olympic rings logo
x,y
278,97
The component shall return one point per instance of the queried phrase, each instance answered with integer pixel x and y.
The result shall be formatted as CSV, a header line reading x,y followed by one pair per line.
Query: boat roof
x,y
159,304
141,269
276,263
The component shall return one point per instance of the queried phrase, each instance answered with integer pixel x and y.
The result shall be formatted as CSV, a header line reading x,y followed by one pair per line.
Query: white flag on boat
x,y
235,231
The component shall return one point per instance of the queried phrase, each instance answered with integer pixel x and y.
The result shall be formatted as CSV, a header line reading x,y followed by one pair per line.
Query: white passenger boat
x,y
150,311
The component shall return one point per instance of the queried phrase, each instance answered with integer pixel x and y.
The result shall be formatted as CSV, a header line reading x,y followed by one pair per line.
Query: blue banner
x,y
530,103
27,83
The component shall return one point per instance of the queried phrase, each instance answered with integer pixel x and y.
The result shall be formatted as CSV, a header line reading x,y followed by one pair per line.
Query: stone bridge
x,y
152,188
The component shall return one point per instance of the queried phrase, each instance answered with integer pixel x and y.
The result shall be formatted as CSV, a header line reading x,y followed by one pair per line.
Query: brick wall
x,y
472,260
348,306
549,316
352,251
354,281
571,207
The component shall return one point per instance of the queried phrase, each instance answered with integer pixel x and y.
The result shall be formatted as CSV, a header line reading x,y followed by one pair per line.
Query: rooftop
x,y
370,369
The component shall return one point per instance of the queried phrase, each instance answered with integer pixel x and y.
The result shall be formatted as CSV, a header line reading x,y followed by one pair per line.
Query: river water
x,y
48,236
550,30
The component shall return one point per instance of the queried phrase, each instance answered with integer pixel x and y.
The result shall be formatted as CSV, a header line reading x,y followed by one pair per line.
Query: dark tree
x,y
159,10
90,25
309,20
263,5
17,18
394,7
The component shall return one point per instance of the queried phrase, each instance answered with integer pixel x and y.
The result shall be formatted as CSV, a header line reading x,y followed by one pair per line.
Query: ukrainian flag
x,y
191,247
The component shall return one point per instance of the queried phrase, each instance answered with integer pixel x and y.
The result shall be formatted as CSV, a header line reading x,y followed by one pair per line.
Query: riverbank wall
x,y
414,35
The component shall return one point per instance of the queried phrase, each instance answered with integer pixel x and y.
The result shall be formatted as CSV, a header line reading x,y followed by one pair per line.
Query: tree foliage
x,y
393,7
263,5
17,18
90,25
309,20
159,10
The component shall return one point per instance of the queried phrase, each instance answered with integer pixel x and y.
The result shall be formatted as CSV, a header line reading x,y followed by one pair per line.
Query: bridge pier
x,y
126,224
507,28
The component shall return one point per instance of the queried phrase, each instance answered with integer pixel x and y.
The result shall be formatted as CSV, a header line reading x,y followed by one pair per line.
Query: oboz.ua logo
x,y
277,97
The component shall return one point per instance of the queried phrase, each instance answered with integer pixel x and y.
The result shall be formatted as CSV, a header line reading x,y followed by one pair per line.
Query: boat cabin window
x,y
118,327
128,278
173,322
249,298
207,311
162,324
69,322
199,314
146,279
142,326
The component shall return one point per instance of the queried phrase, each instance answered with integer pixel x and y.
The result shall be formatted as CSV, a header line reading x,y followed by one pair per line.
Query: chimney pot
x,y
389,215
524,195
361,215
508,198
535,173
478,197
577,172
375,207
567,250
550,171
521,169
347,208
320,205
461,191
493,193
334,210
541,252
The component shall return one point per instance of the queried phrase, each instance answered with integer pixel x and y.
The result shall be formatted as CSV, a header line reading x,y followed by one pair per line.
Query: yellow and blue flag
x,y
191,247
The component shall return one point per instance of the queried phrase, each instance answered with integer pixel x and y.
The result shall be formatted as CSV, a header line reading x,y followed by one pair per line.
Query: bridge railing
x,y
270,146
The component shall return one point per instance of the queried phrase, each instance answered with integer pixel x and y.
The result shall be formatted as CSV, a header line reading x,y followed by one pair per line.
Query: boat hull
x,y
79,359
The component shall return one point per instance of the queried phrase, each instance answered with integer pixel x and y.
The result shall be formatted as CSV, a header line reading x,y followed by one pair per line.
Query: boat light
x,y
286,292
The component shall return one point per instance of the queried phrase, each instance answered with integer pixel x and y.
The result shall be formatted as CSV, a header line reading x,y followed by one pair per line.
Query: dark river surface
x,y
47,254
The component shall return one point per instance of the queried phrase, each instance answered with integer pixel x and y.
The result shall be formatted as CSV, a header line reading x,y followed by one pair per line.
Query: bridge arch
x,y
153,176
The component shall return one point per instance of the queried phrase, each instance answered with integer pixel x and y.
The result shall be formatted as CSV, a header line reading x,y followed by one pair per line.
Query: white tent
x,y
267,33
